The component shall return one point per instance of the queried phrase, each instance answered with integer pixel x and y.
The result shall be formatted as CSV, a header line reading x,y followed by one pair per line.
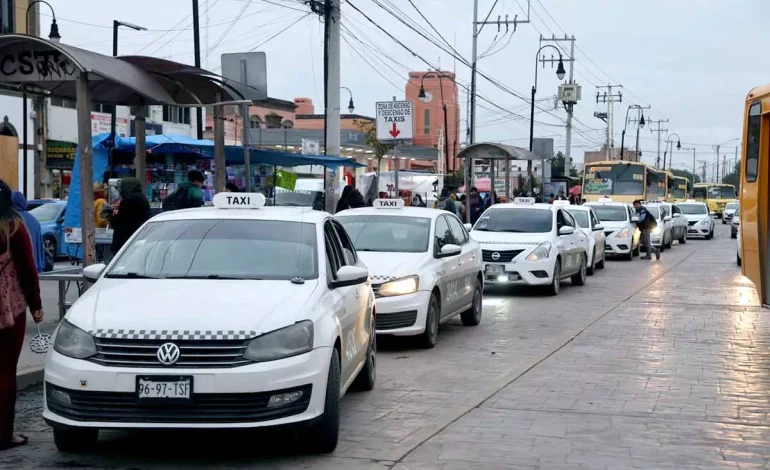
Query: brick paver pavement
x,y
656,364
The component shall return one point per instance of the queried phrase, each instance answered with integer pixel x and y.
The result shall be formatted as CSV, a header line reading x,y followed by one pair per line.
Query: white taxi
x,y
622,235
593,229
232,316
425,269
700,222
531,244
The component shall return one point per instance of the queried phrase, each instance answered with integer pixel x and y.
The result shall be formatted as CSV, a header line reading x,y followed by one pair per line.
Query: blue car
x,y
51,216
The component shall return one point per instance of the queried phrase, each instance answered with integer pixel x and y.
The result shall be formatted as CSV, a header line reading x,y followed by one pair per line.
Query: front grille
x,y
506,256
193,353
113,407
692,222
391,321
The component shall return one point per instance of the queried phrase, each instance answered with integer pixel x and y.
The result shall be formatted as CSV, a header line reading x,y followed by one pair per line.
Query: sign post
x,y
395,125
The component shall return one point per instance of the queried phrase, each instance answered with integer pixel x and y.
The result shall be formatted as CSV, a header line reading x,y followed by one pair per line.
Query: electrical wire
x,y
229,28
430,24
278,33
177,34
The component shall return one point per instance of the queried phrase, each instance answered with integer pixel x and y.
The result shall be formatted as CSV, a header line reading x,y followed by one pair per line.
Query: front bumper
x,y
105,397
402,315
616,246
532,273
698,230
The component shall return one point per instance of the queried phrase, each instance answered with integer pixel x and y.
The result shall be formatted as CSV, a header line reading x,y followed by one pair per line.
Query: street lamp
x,y
625,125
560,73
678,147
351,107
53,35
422,96
692,193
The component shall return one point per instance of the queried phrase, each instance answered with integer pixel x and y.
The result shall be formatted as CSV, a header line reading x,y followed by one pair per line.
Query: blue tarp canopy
x,y
180,144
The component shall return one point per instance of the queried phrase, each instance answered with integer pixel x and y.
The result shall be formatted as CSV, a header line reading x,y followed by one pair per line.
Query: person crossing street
x,y
646,224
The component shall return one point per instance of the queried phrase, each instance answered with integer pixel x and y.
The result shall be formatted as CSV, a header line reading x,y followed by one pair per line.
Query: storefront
x,y
60,159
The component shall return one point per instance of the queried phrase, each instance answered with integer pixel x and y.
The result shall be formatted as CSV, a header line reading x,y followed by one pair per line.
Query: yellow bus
x,y
716,196
676,187
754,245
622,181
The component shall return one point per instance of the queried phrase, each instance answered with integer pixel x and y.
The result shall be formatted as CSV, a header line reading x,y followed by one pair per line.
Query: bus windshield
x,y
715,192
679,188
614,179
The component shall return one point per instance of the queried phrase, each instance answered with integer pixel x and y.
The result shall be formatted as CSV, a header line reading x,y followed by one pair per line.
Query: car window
x,y
387,233
458,231
731,205
566,218
515,220
693,209
581,217
443,234
611,213
594,219
675,210
347,245
45,212
333,249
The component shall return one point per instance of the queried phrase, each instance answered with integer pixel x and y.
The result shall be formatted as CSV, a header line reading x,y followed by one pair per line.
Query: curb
x,y
29,378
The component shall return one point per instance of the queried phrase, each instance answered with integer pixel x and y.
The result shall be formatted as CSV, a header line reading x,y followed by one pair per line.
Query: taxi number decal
x,y
452,293
351,349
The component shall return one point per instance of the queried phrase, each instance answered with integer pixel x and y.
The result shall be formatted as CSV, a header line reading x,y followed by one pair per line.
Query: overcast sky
x,y
692,61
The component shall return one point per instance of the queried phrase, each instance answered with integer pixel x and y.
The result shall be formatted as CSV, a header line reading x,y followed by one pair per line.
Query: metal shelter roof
x,y
495,151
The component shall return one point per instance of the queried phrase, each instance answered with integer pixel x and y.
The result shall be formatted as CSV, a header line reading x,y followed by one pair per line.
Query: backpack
x,y
179,199
444,205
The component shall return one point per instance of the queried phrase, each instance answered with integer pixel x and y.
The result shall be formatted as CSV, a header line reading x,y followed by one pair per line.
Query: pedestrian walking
x,y
476,205
35,233
646,224
132,211
445,202
188,195
19,290
350,199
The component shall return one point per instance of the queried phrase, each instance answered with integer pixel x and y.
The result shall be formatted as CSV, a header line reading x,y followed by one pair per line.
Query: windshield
x,y
714,192
515,220
679,188
581,217
224,249
731,206
388,233
312,199
654,210
45,212
611,213
693,209
615,179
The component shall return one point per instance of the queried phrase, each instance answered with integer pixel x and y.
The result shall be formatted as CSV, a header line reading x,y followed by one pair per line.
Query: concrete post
x,y
86,168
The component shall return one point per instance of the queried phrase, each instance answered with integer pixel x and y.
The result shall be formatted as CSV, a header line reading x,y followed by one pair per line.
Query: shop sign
x,y
19,64
60,154
100,124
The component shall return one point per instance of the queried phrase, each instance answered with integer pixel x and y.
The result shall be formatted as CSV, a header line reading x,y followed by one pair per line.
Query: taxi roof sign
x,y
388,203
523,200
561,203
690,200
238,200
605,199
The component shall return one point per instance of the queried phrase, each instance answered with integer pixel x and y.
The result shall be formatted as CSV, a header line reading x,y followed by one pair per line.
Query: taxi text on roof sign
x,y
561,203
238,200
388,203
523,200
605,199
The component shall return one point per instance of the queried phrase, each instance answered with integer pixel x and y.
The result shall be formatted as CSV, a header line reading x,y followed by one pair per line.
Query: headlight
x,y
705,221
656,230
403,286
541,252
71,341
623,233
279,344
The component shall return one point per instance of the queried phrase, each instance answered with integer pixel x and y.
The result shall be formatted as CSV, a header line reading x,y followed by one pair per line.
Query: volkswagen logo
x,y
168,354
495,256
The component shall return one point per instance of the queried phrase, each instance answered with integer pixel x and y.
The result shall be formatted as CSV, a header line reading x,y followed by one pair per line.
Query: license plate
x,y
164,388
495,269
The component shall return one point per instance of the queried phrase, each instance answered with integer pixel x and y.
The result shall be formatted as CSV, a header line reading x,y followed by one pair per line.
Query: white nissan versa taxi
x,y
231,316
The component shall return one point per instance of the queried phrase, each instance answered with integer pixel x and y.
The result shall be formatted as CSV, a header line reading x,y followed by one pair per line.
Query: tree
x,y
734,177
686,174
558,162
369,128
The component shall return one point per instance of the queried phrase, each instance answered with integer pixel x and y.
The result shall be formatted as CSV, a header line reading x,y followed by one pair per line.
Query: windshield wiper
x,y
131,275
215,276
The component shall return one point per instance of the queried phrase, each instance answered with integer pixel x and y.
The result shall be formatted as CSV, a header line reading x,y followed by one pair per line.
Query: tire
x,y
683,240
49,244
579,278
472,316
733,234
600,264
555,286
670,242
323,435
590,269
75,440
430,335
367,376
635,252
724,222
738,259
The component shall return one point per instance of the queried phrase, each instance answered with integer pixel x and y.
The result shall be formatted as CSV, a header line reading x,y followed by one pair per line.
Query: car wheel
x,y
49,244
472,316
323,435
635,251
555,286
579,278
670,242
367,376
75,440
600,264
590,269
683,240
430,335
733,234
738,259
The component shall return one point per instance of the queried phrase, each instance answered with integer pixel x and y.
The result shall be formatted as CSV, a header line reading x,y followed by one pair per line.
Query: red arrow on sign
x,y
394,132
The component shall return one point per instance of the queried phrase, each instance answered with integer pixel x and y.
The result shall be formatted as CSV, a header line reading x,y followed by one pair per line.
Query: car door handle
x,y
358,293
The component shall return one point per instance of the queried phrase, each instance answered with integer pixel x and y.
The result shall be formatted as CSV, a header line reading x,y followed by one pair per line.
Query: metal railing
x,y
65,278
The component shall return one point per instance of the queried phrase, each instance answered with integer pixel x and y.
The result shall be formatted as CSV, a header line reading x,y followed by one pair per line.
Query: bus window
x,y
652,185
752,142
699,192
616,179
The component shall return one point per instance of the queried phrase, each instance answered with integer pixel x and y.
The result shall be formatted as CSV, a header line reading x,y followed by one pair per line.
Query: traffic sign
x,y
394,121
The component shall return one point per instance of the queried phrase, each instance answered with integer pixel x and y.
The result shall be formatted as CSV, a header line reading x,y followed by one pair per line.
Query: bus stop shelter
x,y
37,66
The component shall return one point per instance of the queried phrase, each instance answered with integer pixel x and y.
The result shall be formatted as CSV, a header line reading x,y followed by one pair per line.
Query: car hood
x,y
613,225
488,239
696,217
392,265
205,305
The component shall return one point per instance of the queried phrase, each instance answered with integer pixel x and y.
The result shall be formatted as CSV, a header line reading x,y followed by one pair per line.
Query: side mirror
x,y
449,250
667,218
635,219
350,276
566,230
92,272
468,227
598,227
712,214
676,216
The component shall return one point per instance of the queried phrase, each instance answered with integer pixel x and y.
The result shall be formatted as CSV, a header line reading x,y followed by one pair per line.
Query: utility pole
x,y
569,94
332,15
692,183
197,50
610,98
724,167
660,130
639,123
703,170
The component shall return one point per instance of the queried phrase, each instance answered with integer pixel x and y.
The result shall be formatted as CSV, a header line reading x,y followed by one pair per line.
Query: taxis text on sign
x,y
238,200
394,121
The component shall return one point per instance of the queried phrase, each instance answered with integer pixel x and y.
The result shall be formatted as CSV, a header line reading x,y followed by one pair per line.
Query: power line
x,y
227,30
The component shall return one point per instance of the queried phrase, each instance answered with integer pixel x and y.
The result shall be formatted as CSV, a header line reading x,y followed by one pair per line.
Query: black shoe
x,y
657,254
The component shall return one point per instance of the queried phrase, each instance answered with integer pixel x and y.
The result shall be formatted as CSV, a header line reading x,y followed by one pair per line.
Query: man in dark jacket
x,y
476,205
132,212
188,195
646,224
350,198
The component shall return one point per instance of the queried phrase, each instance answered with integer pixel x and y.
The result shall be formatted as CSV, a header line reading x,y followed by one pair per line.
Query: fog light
x,y
284,399
502,278
60,397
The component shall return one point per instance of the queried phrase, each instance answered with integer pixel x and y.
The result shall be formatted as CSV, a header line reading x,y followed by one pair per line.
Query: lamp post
x,y
115,25
53,36
422,95
560,73
692,191
678,147
625,126
351,107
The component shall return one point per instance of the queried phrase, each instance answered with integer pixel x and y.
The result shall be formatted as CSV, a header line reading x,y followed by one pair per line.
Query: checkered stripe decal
x,y
175,334
508,243
379,279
